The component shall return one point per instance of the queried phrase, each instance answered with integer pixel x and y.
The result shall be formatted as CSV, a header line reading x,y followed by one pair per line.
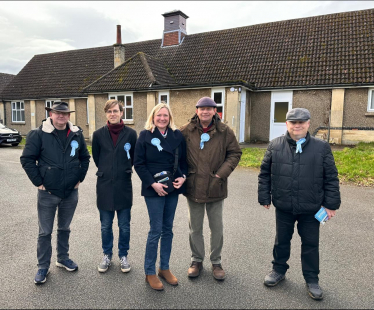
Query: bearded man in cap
x,y
212,154
56,161
298,175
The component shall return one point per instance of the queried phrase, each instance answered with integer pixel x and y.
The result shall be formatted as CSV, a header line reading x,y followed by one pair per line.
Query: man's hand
x,y
76,186
178,182
159,188
217,176
41,187
330,213
267,206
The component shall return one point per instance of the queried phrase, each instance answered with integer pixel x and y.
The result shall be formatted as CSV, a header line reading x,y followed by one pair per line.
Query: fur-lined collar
x,y
48,127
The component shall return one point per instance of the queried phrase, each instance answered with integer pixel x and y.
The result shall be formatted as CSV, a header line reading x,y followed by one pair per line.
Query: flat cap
x,y
298,114
206,102
59,106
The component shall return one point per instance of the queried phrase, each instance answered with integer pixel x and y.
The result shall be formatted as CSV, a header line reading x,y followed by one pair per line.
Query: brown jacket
x,y
220,155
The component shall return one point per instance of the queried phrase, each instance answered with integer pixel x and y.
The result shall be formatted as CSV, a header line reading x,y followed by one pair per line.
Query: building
x,y
254,73
4,81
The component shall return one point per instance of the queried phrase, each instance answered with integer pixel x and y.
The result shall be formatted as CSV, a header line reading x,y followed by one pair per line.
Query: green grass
x,y
355,164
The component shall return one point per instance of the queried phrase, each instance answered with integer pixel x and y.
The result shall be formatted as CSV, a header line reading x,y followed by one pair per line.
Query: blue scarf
x,y
298,145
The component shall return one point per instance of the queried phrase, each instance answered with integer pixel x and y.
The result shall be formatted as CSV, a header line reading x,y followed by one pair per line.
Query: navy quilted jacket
x,y
299,183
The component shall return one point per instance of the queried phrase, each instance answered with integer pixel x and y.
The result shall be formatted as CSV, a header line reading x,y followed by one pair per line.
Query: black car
x,y
9,136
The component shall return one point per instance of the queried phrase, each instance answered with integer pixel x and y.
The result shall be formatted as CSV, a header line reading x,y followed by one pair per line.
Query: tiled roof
x,y
5,79
334,49
138,72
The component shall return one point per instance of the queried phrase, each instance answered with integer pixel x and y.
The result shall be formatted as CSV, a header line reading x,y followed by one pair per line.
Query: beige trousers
x,y
196,212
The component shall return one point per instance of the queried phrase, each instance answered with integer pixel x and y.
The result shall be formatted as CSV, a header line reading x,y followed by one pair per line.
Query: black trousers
x,y
308,229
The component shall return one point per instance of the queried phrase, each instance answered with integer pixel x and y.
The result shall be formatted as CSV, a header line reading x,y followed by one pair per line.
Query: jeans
x,y
196,213
47,206
106,219
308,229
161,211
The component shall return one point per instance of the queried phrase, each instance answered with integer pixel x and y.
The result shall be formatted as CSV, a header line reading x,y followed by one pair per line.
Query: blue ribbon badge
x,y
204,138
127,148
74,145
157,142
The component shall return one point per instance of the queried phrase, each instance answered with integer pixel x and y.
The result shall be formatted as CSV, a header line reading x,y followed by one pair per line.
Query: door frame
x,y
279,96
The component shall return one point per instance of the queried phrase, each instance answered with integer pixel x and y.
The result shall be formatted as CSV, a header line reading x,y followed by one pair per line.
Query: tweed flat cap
x,y
59,107
298,114
206,102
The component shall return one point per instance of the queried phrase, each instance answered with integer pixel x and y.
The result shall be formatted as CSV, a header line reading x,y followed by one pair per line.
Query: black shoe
x,y
273,278
314,291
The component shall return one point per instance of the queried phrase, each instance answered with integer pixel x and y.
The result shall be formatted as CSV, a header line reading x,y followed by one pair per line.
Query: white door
x,y
281,103
243,100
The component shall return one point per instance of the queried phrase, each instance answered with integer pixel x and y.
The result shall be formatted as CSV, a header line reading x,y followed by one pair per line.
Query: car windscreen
x,y
2,126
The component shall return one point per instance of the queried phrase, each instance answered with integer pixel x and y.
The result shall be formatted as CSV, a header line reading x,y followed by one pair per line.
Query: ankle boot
x,y
154,282
168,276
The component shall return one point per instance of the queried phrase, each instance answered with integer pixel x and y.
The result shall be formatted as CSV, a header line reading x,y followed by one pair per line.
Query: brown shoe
x,y
194,270
154,282
218,272
168,276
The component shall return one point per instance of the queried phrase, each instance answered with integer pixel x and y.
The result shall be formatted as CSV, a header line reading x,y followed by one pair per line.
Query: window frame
x,y
22,108
223,91
115,96
370,97
164,93
51,101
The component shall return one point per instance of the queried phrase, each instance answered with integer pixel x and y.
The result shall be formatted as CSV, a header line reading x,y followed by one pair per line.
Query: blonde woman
x,y
160,162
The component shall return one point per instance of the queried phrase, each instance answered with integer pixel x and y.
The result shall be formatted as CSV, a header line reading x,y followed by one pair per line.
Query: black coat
x,y
56,170
114,186
149,161
299,183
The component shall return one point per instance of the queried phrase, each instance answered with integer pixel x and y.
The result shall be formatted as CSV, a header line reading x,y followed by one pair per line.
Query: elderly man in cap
x,y
212,154
56,160
298,175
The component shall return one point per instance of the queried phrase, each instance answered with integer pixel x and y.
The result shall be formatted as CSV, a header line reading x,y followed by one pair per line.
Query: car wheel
x,y
15,144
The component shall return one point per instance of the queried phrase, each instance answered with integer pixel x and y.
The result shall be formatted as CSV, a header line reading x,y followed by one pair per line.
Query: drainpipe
x,y
4,105
328,130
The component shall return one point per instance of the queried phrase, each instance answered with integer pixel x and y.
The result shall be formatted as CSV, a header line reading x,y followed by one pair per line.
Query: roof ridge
x,y
147,68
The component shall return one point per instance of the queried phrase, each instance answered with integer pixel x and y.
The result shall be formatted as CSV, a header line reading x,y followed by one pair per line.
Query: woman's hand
x,y
159,188
178,182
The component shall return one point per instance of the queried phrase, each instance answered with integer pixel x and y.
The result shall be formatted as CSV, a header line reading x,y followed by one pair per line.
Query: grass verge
x,y
355,164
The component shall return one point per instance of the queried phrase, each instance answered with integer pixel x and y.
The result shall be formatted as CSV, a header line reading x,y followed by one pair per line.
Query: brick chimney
x,y
119,49
174,28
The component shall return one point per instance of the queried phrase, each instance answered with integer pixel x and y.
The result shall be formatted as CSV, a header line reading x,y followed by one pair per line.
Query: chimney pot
x,y
119,36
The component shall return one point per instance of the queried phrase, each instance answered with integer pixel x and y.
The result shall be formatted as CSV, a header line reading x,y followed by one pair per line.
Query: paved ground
x,y
346,253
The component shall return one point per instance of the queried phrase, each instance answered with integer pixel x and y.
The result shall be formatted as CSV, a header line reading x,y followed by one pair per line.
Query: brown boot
x,y
168,276
218,272
154,282
194,270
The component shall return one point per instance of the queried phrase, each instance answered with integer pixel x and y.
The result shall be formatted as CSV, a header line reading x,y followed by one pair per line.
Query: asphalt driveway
x,y
346,253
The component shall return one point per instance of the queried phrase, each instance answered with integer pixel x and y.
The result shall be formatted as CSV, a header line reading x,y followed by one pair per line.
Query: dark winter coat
x,y
48,163
149,161
299,183
114,169
220,155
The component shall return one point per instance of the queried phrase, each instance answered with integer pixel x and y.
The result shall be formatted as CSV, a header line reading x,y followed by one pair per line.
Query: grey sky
x,y
37,27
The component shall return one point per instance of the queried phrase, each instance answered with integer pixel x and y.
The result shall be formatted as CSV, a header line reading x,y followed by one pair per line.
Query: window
x,y
163,97
371,100
128,107
218,95
48,104
18,111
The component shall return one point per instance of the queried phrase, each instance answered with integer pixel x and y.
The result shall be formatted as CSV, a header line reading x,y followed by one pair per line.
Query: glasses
x,y
113,111
61,113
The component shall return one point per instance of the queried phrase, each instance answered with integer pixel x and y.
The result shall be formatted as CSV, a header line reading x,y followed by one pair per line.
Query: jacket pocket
x,y
217,187
190,181
52,178
99,173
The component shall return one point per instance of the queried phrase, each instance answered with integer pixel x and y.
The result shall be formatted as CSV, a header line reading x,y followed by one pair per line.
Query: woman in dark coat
x,y
155,152
113,152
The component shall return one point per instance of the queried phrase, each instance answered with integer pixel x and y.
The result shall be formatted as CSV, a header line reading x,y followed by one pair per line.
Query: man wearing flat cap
x,y
212,154
298,175
56,160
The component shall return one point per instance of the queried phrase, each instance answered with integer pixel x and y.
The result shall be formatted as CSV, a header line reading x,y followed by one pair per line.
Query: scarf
x,y
115,130
298,145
